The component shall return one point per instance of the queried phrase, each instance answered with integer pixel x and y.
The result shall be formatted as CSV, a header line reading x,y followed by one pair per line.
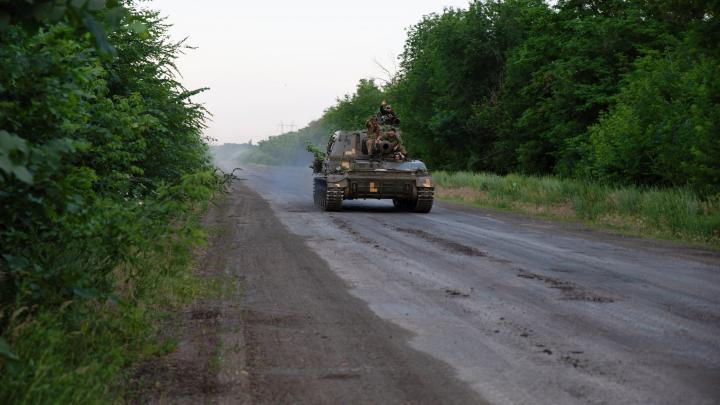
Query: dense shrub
x,y
102,162
664,128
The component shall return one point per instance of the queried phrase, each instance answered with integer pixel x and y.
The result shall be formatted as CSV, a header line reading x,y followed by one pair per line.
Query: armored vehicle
x,y
349,171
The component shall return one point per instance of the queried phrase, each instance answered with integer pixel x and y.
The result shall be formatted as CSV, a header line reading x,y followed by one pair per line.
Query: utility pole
x,y
283,125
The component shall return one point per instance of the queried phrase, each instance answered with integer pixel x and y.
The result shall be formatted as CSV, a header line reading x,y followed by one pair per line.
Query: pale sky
x,y
271,62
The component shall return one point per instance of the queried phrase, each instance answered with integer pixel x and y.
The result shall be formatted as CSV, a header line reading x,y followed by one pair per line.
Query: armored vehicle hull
x,y
348,172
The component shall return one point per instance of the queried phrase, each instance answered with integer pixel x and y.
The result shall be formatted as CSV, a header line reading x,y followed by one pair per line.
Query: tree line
x,y
350,112
623,91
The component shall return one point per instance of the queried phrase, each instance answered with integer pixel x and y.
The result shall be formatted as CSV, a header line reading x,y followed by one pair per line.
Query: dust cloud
x,y
285,174
229,156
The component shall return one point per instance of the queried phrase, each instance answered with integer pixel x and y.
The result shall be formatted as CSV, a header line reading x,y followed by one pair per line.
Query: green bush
x,y
103,171
664,127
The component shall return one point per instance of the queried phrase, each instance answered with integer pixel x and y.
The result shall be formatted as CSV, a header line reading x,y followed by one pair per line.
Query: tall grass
x,y
78,353
675,213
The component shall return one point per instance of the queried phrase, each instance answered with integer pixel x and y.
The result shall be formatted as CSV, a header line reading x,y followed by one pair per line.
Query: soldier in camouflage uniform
x,y
396,147
387,115
373,131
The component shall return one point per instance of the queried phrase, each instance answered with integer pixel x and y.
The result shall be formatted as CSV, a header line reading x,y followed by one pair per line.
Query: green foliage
x,y
102,165
670,213
89,16
452,76
352,111
664,128
317,152
318,156
618,90
75,353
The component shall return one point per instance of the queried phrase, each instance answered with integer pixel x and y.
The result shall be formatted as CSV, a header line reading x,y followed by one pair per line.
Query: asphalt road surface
x,y
466,305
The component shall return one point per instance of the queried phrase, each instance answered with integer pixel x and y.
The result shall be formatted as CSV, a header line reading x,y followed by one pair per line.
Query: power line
x,y
283,125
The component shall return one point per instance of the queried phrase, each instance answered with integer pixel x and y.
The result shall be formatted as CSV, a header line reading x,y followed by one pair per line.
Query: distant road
x,y
510,309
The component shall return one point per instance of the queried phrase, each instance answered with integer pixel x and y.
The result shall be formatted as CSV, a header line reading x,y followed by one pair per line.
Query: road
x,y
501,308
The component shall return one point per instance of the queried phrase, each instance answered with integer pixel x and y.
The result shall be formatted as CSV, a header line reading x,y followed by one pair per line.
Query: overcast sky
x,y
272,62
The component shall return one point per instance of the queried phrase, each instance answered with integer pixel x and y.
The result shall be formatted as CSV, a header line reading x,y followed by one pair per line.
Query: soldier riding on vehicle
x,y
373,133
383,140
387,115
396,147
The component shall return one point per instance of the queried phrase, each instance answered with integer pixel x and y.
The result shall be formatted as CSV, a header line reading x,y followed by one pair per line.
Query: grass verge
x,y
78,353
677,213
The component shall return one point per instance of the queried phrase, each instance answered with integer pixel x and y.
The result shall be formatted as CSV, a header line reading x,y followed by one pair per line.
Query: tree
x,y
353,110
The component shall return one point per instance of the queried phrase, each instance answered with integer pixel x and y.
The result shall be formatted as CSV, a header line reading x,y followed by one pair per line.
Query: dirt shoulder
x,y
286,330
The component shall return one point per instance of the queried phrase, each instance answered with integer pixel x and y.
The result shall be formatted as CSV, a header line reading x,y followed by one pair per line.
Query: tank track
x,y
425,196
333,200
328,200
318,192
